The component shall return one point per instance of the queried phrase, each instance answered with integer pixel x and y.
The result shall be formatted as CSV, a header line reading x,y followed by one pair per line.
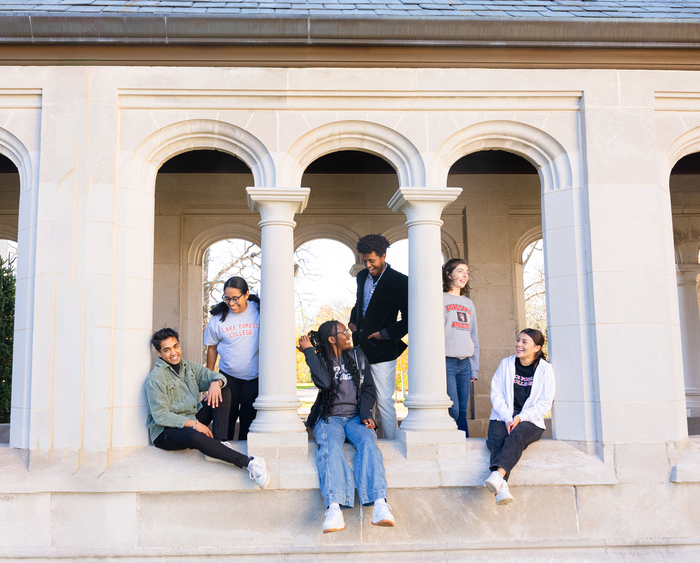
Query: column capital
x,y
423,205
687,274
277,206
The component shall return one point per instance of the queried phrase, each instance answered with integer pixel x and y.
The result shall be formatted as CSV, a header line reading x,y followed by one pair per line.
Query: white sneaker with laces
x,y
257,469
334,521
493,483
381,514
503,496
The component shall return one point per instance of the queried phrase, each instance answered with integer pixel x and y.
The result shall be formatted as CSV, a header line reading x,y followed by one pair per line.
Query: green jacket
x,y
174,398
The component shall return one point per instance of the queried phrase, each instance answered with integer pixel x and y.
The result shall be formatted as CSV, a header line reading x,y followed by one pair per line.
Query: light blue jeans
x,y
334,473
459,380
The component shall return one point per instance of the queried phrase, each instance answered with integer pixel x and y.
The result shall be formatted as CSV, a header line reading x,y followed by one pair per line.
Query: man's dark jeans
x,y
505,448
189,438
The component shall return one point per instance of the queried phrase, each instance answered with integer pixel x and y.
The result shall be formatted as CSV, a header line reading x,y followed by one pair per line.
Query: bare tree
x,y
534,278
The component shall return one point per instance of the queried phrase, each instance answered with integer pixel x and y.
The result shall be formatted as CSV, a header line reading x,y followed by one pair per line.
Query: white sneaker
x,y
503,496
493,483
334,521
257,469
381,514
209,458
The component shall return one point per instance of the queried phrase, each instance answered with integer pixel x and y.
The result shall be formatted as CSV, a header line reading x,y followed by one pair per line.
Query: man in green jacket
x,y
176,418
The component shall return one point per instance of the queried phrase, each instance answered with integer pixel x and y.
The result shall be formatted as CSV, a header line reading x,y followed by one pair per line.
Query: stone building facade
x,y
109,249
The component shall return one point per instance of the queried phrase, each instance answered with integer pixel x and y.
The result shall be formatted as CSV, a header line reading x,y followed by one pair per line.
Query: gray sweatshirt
x,y
461,336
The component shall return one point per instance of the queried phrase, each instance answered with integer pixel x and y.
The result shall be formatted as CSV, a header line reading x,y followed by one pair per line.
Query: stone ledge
x,y
149,469
687,470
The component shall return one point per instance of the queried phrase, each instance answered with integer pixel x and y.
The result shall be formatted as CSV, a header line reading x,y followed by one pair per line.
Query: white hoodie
x,y
538,403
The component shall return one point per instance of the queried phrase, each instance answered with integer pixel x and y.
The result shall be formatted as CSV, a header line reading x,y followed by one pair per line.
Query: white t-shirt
x,y
236,341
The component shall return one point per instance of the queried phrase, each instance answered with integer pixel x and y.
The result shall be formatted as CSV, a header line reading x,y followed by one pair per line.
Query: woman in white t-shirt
x,y
232,334
461,338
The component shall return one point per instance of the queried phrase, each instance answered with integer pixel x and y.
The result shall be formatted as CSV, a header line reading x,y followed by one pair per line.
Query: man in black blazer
x,y
381,293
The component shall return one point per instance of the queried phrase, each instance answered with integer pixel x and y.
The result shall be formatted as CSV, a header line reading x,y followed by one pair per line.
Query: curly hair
x,y
372,243
447,270
319,340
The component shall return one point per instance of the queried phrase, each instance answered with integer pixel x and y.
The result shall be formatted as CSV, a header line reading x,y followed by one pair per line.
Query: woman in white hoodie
x,y
522,391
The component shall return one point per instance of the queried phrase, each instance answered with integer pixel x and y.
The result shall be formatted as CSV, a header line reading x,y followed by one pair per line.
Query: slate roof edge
x,y
151,29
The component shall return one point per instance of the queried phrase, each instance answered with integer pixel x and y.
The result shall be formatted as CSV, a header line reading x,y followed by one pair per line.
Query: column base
x,y
692,403
278,446
444,444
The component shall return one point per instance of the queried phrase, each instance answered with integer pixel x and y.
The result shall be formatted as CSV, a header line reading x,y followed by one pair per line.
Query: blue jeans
x,y
334,473
459,380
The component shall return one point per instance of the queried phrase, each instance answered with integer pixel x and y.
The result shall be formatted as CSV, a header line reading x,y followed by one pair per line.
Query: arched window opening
x,y
199,195
684,187
499,204
324,290
221,261
9,217
534,288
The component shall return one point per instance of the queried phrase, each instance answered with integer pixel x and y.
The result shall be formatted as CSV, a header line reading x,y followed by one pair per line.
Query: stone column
x,y
277,423
428,420
687,280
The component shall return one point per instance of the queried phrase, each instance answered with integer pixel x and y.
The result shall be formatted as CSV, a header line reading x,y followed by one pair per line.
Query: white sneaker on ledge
x,y
257,469
493,483
334,521
381,514
503,496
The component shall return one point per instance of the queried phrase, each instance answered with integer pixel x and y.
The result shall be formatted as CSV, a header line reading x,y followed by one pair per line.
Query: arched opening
x,y
500,202
200,198
9,216
350,190
222,260
324,289
684,186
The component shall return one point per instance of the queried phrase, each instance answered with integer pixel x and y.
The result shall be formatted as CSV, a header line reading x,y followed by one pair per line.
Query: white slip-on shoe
x,y
257,469
503,496
493,483
334,521
381,514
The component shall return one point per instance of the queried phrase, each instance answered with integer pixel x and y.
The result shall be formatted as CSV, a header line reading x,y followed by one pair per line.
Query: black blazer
x,y
390,297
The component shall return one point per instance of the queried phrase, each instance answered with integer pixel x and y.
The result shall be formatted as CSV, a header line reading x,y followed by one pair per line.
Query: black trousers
x,y
188,438
243,395
505,448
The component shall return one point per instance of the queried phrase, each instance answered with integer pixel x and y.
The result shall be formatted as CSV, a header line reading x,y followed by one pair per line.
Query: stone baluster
x,y
277,423
687,280
428,420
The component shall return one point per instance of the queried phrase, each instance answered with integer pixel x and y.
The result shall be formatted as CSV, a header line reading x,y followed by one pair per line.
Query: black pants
x,y
188,438
243,395
505,448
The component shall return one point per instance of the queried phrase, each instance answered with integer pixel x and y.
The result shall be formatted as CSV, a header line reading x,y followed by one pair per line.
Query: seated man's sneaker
x,y
334,521
503,496
257,469
493,483
381,514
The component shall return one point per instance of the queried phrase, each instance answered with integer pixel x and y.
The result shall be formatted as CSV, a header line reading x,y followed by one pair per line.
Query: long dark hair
x,y
319,340
538,339
241,285
447,270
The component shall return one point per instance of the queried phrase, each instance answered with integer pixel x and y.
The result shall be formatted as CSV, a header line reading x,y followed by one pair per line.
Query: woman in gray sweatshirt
x,y
461,338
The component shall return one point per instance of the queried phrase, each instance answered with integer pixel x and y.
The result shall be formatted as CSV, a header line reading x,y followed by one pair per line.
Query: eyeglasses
x,y
234,299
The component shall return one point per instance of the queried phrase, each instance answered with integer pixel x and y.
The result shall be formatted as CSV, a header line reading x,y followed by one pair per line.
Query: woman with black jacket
x,y
343,410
